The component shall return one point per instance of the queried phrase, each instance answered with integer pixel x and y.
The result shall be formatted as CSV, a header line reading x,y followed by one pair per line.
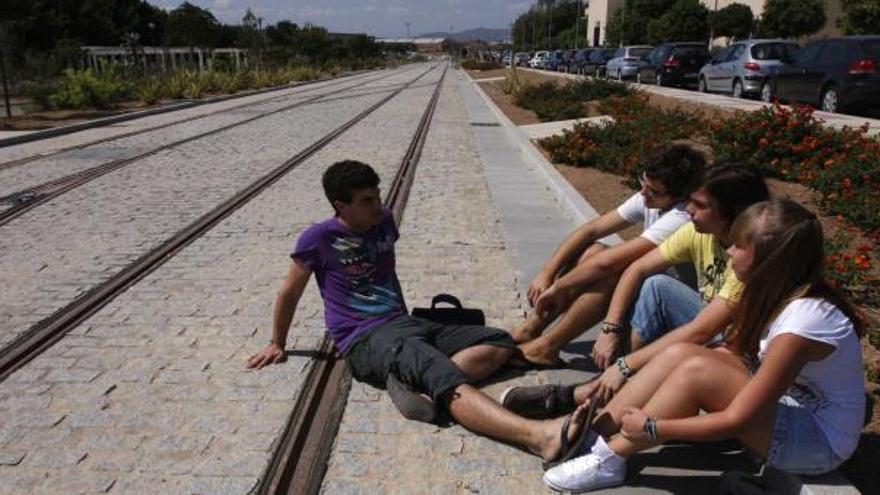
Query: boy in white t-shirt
x,y
669,175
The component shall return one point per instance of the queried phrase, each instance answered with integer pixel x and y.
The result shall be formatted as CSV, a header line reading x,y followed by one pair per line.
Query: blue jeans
x,y
663,305
798,445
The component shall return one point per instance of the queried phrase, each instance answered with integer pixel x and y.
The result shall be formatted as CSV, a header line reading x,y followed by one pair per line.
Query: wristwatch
x,y
608,327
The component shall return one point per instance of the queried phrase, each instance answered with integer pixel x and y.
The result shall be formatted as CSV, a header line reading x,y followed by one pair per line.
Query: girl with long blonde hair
x,y
802,408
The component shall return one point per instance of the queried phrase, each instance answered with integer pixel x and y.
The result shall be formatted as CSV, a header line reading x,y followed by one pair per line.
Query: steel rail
x,y
304,86
27,199
300,459
45,333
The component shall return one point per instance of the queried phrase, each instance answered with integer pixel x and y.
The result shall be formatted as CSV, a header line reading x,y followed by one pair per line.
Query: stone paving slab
x,y
150,395
833,120
100,227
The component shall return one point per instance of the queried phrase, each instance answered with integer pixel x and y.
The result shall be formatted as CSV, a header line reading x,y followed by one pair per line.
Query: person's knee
x,y
655,285
591,251
695,368
678,352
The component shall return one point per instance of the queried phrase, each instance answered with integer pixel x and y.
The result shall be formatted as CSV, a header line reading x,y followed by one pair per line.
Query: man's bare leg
x,y
481,361
586,311
535,324
480,414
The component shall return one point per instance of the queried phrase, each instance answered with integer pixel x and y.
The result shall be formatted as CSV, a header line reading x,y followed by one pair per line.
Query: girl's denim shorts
x,y
799,446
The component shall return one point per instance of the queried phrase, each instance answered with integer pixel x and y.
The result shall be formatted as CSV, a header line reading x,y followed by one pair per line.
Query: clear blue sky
x,y
383,18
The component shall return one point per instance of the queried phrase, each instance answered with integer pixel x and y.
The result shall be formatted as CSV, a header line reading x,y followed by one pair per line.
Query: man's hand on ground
x,y
605,349
539,284
551,302
271,354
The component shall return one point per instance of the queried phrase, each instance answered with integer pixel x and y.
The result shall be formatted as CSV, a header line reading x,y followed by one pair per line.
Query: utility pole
x,y
550,25
577,22
712,20
623,24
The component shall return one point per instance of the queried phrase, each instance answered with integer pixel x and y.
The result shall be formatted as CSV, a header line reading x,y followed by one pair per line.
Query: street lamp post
x,y
577,21
550,25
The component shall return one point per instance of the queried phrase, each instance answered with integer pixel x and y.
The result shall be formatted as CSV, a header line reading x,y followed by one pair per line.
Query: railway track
x,y
300,459
45,333
21,202
305,87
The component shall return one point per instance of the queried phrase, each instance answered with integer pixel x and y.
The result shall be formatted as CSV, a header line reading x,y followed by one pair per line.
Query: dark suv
x,y
833,74
674,64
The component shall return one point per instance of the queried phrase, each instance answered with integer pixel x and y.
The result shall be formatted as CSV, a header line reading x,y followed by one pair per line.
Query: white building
x,y
599,12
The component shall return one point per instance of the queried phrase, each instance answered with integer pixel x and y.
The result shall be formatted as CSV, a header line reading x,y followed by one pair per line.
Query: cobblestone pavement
x,y
61,249
30,174
85,137
451,241
150,395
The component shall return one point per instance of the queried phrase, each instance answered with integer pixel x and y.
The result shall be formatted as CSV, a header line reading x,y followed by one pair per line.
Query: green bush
x,y
619,146
85,88
150,90
471,64
551,101
40,92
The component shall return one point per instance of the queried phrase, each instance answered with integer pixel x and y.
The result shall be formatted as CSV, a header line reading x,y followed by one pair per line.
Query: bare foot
x,y
535,352
551,446
529,330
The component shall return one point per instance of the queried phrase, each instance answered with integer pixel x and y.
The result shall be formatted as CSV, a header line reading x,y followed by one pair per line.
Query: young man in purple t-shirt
x,y
422,363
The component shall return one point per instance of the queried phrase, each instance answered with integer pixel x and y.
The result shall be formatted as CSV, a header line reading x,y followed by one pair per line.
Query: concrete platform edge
x,y
568,196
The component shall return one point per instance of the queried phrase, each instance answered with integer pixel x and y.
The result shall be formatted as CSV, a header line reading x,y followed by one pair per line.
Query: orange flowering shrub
x,y
792,144
619,146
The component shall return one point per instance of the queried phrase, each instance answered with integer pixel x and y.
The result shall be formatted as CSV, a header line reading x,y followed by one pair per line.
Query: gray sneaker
x,y
540,401
411,404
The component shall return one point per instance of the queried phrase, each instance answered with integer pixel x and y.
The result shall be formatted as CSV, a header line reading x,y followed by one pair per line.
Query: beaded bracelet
x,y
651,428
624,368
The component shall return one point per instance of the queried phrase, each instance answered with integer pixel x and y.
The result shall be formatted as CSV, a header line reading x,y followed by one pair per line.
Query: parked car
x,y
567,60
673,64
539,60
580,58
554,60
595,64
743,67
833,74
627,61
521,59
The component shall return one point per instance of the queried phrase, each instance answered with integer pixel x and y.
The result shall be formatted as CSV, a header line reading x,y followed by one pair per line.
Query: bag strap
x,y
446,298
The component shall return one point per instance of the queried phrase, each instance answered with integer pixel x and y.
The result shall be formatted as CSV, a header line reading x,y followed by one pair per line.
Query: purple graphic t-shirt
x,y
355,273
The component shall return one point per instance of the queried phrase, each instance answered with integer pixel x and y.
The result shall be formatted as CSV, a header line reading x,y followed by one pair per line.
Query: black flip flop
x,y
571,450
518,361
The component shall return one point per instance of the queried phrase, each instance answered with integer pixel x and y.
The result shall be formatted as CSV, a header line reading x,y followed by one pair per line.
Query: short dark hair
x,y
733,187
343,178
679,166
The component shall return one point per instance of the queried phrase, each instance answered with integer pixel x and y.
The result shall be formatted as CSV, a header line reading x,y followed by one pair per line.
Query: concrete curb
x,y
568,196
115,119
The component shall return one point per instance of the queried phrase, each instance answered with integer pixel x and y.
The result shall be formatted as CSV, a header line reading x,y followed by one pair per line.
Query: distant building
x,y
599,12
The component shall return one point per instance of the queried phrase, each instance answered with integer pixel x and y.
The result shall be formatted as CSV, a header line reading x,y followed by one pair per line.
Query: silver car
x,y
539,61
741,68
627,61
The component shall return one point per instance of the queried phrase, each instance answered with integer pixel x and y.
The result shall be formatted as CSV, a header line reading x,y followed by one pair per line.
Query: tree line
x,y
42,37
550,24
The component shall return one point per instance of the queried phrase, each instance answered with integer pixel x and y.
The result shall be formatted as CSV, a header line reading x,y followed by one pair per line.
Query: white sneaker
x,y
585,473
